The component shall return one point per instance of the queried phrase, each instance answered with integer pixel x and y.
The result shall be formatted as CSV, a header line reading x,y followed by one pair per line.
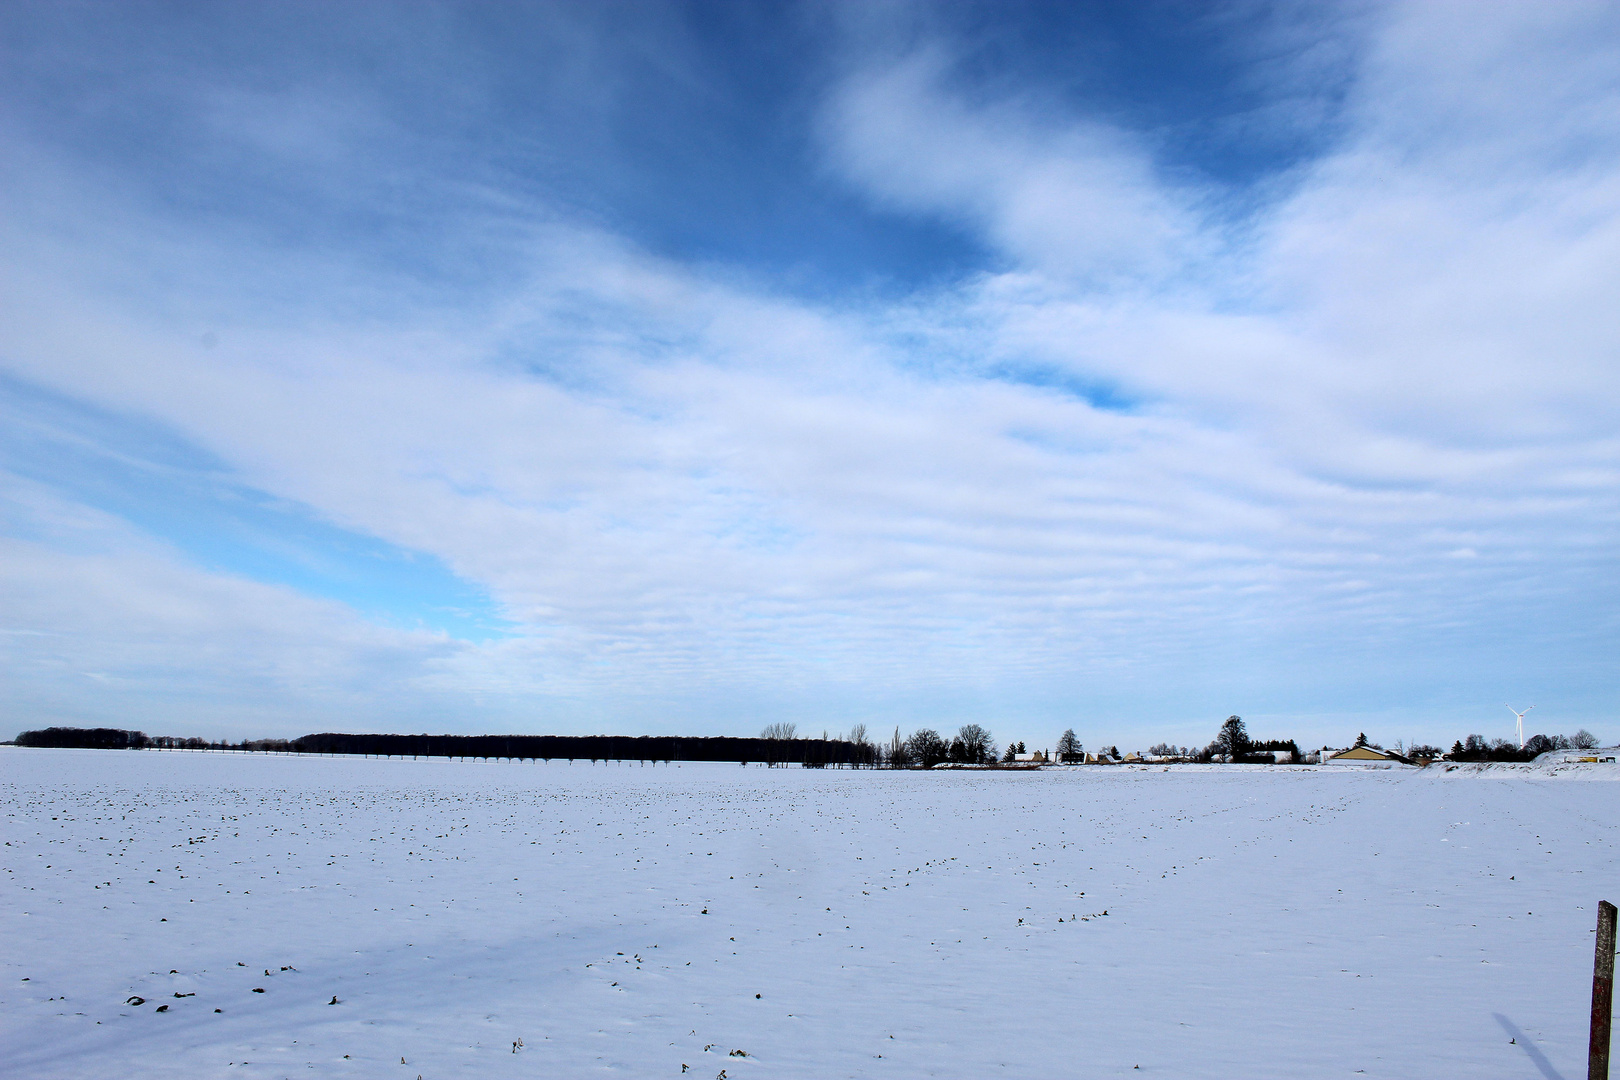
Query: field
x,y
712,920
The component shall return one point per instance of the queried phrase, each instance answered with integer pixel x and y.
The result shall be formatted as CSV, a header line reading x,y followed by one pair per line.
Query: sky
x,y
642,368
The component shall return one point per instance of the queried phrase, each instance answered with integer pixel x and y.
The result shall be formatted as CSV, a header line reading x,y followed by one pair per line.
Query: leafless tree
x,y
977,745
898,755
926,747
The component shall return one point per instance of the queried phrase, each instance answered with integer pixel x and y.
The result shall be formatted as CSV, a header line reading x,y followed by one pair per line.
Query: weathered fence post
x,y
1597,1053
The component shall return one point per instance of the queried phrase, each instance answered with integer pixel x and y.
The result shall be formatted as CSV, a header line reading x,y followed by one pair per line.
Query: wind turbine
x,y
1520,715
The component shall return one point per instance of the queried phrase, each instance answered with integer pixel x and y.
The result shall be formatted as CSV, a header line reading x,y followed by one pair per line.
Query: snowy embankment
x,y
1563,764
625,920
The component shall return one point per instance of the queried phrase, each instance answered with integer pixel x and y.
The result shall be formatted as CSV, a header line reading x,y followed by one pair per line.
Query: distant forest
x,y
810,753
779,744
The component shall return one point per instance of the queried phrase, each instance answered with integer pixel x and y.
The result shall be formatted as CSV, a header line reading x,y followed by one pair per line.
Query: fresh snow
x,y
1183,922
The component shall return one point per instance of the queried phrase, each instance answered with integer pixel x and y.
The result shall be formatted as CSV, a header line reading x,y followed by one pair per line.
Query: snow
x,y
1564,764
1194,921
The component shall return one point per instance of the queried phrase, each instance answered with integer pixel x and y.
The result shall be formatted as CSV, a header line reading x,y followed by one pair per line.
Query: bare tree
x,y
1233,738
926,747
899,758
977,745
1584,740
781,730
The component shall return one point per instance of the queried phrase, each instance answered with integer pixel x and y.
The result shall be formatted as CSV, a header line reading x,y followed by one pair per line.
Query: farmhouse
x,y
1360,755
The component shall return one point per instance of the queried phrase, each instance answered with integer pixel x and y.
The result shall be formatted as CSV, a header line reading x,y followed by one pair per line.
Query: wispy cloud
x,y
1152,461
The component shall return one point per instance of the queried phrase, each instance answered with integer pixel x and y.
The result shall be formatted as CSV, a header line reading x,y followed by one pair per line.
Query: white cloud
x,y
1075,198
104,626
1361,428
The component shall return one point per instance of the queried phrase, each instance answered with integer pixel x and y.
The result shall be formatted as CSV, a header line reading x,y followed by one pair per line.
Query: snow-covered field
x,y
661,921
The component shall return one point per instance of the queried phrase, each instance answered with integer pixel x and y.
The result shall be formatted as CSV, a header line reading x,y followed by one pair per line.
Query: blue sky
x,y
688,367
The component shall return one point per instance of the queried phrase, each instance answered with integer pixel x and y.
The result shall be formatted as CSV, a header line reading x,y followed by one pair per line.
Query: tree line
x,y
1478,748
86,738
924,748
778,744
812,753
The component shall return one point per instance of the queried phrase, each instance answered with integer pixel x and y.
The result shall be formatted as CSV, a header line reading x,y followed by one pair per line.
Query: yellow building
x,y
1362,755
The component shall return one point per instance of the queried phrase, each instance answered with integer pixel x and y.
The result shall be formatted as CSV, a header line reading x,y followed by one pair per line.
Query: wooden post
x,y
1597,1053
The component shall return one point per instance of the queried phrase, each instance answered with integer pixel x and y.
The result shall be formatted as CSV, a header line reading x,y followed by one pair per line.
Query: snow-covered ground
x,y
663,921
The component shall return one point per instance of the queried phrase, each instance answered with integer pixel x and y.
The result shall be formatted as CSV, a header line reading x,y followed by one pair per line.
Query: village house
x,y
1361,755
